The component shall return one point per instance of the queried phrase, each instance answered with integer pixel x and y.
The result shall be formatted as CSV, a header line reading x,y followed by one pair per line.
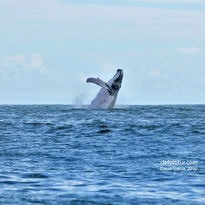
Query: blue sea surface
x,y
61,154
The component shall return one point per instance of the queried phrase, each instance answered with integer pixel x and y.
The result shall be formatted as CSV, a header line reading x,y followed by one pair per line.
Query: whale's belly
x,y
103,100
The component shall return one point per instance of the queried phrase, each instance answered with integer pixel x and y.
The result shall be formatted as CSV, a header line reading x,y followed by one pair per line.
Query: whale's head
x,y
116,81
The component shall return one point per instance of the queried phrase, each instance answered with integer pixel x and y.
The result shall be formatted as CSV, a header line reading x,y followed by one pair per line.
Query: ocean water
x,y
60,154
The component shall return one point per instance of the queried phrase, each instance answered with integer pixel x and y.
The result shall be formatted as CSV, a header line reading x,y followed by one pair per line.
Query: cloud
x,y
36,62
20,62
190,50
12,61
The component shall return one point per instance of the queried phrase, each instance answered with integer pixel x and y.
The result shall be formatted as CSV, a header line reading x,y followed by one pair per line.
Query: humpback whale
x,y
107,95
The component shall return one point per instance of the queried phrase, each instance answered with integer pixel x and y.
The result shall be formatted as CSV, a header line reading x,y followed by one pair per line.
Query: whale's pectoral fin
x,y
101,83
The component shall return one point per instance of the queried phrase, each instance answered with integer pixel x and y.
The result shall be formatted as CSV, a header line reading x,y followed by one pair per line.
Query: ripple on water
x,y
35,175
103,131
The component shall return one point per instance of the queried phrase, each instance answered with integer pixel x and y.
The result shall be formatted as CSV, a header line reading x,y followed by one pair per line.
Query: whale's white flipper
x,y
101,83
107,95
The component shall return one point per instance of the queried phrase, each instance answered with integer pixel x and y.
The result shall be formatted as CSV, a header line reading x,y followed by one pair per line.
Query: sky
x,y
48,48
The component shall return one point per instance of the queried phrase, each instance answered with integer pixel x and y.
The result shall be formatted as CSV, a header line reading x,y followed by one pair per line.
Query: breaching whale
x,y
107,95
